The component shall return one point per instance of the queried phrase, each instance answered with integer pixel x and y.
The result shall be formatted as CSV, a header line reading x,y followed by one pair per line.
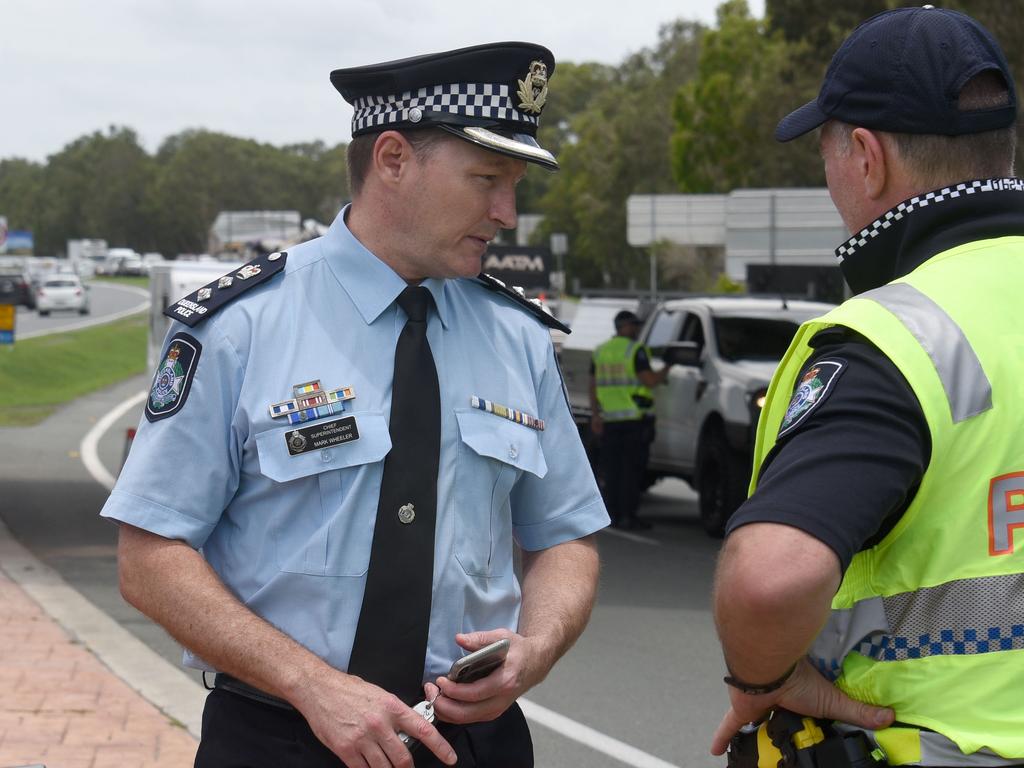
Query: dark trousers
x,y
625,446
239,732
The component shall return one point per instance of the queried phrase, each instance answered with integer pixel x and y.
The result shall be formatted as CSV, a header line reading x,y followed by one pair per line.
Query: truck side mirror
x,y
682,353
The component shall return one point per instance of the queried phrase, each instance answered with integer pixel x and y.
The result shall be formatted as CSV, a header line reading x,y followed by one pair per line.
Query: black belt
x,y
234,685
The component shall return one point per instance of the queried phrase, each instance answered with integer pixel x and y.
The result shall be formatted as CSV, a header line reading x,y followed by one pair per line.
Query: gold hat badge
x,y
533,90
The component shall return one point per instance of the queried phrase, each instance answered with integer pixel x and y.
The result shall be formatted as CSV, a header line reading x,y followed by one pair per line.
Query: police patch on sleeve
x,y
173,377
812,389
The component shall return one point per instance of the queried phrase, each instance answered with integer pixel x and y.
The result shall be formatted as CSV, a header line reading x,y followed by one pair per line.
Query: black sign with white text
x,y
322,435
525,266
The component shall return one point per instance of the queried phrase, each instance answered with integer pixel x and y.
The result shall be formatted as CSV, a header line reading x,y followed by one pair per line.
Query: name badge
x,y
322,435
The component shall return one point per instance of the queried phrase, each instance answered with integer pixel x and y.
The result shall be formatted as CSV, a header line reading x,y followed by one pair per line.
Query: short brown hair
x,y
937,161
360,152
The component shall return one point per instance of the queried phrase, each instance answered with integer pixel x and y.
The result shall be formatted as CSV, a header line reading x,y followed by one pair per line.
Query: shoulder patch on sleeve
x,y
518,296
811,391
173,378
201,304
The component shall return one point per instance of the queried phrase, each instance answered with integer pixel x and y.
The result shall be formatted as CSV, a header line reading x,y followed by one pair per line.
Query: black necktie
x,y
390,643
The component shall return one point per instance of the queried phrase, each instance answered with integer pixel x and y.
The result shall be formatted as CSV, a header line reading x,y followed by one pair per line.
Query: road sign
x,y
7,323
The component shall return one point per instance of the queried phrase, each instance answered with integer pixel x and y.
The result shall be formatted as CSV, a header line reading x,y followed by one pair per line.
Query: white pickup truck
x,y
727,349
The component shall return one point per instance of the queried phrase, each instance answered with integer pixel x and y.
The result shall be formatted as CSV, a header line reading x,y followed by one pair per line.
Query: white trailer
x,y
86,255
170,281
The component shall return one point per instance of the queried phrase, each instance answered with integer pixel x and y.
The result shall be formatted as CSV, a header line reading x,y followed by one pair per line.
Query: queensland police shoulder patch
x,y
811,391
173,377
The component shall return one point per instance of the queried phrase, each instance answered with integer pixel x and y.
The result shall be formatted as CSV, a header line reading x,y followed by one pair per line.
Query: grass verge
x,y
38,375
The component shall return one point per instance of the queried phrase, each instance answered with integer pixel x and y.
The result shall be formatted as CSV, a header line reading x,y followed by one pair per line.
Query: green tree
x,y
821,24
573,87
615,146
201,173
21,193
94,187
747,79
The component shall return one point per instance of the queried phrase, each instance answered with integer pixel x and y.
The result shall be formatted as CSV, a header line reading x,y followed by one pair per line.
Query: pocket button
x,y
325,455
513,451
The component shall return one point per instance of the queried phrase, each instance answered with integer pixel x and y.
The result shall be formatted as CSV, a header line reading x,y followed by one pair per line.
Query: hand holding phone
x,y
478,664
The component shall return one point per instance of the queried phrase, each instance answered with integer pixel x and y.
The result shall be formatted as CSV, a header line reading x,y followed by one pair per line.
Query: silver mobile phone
x,y
479,663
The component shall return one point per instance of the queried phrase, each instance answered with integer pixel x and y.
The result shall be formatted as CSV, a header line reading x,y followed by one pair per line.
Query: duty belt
x,y
236,686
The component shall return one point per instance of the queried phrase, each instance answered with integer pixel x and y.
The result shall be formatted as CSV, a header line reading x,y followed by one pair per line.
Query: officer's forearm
x,y
651,378
171,583
559,588
773,590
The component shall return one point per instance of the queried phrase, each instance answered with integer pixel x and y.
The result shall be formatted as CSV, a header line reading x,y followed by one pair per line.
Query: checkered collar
x,y
906,236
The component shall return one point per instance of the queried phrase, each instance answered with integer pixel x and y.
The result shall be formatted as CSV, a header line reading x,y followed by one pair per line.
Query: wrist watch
x,y
759,689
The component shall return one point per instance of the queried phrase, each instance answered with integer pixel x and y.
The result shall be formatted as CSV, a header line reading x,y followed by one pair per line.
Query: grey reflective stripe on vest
x,y
967,387
844,630
959,618
936,749
615,382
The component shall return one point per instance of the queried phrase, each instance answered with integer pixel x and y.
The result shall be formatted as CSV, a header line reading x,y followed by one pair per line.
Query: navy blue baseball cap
x,y
902,71
625,316
491,95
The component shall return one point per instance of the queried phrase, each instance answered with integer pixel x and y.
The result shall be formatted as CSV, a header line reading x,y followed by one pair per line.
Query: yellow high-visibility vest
x,y
616,380
930,620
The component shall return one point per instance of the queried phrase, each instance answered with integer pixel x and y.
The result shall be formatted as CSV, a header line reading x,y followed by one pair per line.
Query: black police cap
x,y
902,71
491,95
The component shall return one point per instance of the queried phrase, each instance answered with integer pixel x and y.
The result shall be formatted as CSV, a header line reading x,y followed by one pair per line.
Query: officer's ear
x,y
392,154
873,162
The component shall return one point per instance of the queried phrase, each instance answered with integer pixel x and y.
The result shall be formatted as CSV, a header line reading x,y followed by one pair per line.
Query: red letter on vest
x,y
1005,512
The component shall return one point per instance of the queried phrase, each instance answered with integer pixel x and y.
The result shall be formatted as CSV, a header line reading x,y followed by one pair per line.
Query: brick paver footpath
x,y
62,708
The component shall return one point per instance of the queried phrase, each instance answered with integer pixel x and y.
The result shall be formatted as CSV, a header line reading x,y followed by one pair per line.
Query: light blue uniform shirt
x,y
290,535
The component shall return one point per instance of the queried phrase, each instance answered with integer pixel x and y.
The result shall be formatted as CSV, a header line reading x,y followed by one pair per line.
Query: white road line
x,y
87,449
591,738
550,719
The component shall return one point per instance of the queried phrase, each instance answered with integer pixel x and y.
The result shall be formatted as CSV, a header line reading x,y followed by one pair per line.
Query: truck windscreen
x,y
753,338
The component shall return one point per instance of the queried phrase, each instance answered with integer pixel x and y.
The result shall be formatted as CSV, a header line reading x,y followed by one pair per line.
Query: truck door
x,y
676,402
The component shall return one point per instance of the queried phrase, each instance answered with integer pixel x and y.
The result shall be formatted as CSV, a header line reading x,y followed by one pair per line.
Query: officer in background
x,y
355,435
622,416
873,577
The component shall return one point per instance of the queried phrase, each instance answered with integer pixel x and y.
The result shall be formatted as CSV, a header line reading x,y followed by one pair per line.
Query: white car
x,y
62,292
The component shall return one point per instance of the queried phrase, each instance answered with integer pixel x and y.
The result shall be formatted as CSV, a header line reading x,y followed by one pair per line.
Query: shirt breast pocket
x,y
493,453
326,499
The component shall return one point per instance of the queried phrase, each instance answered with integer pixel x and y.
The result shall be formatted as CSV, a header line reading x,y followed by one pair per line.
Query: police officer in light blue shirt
x,y
248,503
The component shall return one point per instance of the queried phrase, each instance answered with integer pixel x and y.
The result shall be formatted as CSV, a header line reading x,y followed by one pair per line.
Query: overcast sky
x,y
259,68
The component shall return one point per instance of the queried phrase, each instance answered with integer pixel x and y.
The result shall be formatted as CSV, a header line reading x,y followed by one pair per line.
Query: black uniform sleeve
x,y
640,360
847,467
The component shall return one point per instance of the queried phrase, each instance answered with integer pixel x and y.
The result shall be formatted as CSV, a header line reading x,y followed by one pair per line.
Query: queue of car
x,y
49,284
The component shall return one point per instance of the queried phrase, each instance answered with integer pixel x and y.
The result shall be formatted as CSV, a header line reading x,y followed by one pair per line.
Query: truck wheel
x,y
721,482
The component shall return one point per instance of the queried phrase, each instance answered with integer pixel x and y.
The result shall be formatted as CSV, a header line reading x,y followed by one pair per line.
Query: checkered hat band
x,y
487,100
894,215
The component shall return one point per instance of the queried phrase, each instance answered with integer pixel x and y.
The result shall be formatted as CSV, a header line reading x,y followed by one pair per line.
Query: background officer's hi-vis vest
x,y
615,377
930,621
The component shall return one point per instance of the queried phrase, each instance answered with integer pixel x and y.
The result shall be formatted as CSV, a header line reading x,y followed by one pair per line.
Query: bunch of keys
x,y
424,709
